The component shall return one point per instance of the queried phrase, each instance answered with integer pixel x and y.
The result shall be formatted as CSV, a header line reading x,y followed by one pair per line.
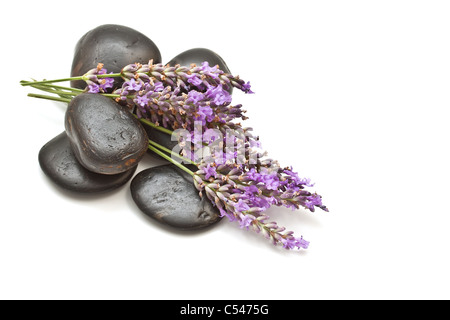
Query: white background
x,y
353,94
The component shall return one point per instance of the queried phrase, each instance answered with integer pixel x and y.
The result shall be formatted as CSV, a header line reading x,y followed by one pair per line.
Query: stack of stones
x,y
103,142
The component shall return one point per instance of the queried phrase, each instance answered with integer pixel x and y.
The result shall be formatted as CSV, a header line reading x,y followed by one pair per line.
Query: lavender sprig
x,y
95,84
223,190
239,180
254,187
237,197
194,77
173,109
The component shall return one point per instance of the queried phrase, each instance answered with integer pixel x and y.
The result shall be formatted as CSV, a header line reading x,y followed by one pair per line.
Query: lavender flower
x,y
195,97
194,80
150,92
93,88
246,220
96,85
302,243
292,242
241,206
239,180
211,72
246,88
133,85
242,194
289,243
218,95
174,109
180,76
209,171
204,113
142,101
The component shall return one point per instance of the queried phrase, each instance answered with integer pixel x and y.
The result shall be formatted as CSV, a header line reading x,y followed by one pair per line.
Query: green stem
x,y
151,124
109,75
70,91
41,96
49,85
61,87
84,78
29,83
55,91
179,165
171,152
110,95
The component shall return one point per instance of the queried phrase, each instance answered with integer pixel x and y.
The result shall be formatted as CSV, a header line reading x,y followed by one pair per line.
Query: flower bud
x,y
210,192
213,186
198,179
255,210
223,188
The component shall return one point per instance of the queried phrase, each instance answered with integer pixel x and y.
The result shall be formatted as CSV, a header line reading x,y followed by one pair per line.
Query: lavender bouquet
x,y
192,103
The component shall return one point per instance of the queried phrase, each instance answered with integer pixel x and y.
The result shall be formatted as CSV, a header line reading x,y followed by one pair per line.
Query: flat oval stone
x,y
59,163
198,56
115,46
105,137
168,195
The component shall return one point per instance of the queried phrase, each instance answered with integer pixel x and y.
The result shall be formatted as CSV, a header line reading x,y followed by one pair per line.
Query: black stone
x,y
115,46
168,195
58,162
198,56
106,138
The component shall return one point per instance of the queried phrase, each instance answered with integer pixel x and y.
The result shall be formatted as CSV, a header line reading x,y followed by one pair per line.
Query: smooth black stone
x,y
115,46
198,56
105,137
168,195
58,162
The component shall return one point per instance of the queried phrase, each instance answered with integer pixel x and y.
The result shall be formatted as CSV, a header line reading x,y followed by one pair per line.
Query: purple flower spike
x,y
238,179
183,76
